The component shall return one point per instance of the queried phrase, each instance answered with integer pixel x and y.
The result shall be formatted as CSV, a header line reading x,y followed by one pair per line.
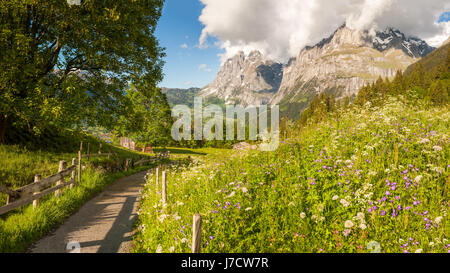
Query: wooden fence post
x,y
62,166
197,234
88,151
157,179
37,178
164,185
81,146
100,149
79,166
127,164
74,172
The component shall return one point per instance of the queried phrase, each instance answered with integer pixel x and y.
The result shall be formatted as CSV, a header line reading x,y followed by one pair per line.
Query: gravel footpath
x,y
102,225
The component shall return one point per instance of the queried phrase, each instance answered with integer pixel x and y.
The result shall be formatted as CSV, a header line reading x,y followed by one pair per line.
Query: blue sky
x,y
178,31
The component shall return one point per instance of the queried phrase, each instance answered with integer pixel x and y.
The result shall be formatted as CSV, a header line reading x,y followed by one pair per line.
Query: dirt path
x,y
102,225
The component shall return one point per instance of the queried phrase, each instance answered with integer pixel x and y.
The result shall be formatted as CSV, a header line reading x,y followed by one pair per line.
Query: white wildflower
x,y
162,217
437,148
360,216
438,220
231,195
171,249
347,232
362,226
159,249
419,250
244,189
348,224
336,197
302,215
184,240
247,209
424,140
320,207
418,178
345,203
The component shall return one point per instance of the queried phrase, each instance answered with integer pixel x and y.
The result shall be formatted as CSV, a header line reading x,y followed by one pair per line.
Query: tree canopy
x,y
63,65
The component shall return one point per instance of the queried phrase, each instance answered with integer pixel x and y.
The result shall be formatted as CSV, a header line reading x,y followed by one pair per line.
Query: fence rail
x,y
31,193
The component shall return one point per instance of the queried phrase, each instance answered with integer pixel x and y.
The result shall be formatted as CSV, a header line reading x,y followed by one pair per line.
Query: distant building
x,y
127,143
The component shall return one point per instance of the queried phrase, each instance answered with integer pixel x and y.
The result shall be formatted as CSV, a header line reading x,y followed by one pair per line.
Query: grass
x,y
375,177
22,227
19,165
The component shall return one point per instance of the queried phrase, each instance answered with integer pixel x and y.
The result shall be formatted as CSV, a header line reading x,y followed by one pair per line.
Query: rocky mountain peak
x,y
394,38
247,79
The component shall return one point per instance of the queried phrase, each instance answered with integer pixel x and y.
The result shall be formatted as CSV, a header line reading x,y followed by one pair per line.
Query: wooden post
x,y
62,166
74,172
157,179
100,149
164,192
88,151
197,234
37,178
127,164
81,146
79,166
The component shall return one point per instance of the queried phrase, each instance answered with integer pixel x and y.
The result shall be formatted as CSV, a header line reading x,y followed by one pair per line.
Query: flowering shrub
x,y
375,175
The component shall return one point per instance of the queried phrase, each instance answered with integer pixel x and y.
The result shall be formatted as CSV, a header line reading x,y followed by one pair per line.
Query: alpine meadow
x,y
143,126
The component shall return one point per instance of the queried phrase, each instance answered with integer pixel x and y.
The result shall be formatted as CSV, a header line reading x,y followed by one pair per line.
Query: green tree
x,y
148,118
64,65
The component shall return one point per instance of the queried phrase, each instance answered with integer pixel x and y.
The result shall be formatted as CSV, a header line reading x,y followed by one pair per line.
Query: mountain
x,y
342,64
394,38
437,59
339,65
246,79
178,96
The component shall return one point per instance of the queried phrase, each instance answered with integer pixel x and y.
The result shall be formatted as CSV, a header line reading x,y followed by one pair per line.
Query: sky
x,y
198,35
179,30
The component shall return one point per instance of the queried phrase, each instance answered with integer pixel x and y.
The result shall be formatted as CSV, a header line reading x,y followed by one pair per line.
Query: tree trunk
x,y
3,122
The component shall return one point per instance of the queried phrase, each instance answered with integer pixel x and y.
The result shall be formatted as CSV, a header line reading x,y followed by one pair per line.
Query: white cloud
x,y
187,83
282,28
184,46
204,67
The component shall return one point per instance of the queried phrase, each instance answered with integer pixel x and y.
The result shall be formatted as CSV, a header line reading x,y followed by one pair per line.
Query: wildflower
x,y
244,190
159,249
320,207
419,250
346,232
171,249
362,226
418,178
335,198
360,216
302,215
438,220
184,240
348,224
247,209
344,202
231,195
437,148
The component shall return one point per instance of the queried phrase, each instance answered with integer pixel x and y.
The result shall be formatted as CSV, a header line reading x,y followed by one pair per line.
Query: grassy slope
x,y
379,174
18,167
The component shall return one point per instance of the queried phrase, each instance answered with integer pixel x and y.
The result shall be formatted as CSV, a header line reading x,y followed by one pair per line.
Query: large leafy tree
x,y
62,65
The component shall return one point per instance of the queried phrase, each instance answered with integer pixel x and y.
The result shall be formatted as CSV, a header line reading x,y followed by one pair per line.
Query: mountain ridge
x,y
341,63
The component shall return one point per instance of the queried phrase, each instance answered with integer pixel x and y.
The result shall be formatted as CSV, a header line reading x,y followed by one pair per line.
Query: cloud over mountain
x,y
280,29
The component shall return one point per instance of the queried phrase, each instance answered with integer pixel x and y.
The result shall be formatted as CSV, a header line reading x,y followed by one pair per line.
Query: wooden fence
x,y
56,182
197,219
